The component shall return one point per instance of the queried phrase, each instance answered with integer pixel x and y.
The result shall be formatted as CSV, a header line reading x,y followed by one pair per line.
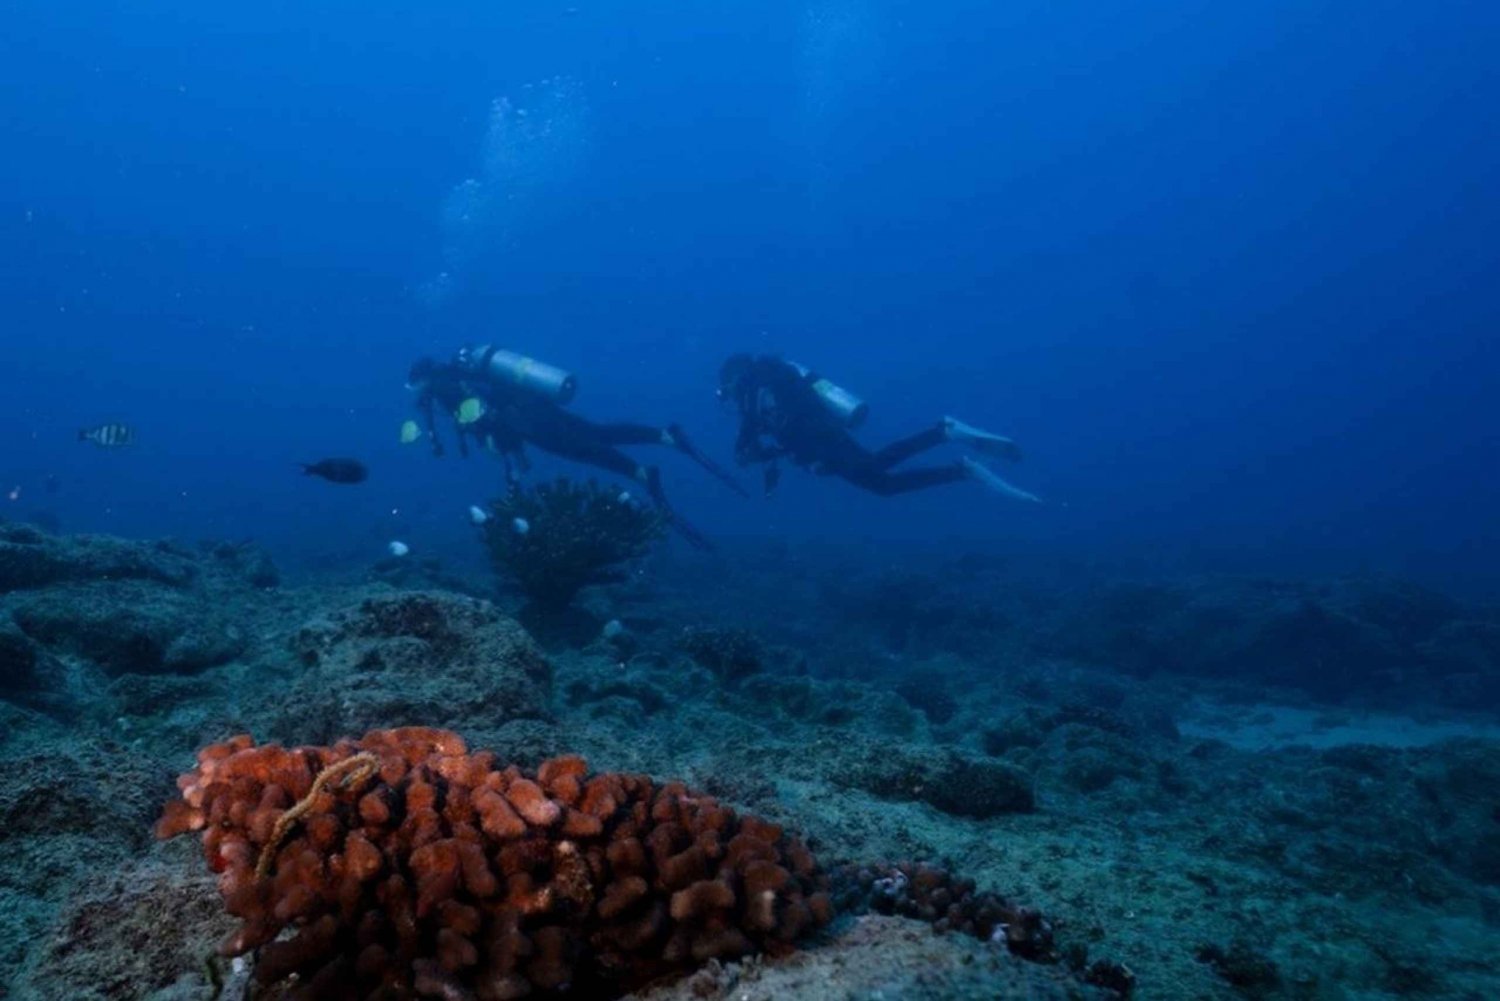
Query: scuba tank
x,y
518,370
844,405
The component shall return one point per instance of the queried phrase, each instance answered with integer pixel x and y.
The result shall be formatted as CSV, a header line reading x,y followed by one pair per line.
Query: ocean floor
x,y
1208,788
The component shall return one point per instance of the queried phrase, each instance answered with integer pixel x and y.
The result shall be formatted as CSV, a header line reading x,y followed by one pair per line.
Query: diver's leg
x,y
672,436
603,457
904,448
684,528
678,439
623,433
568,436
600,456
886,484
651,477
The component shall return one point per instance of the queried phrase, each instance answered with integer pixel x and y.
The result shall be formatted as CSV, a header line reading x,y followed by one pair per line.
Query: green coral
x,y
576,535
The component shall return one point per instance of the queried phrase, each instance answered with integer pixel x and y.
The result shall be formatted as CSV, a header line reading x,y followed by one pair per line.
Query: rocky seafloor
x,y
1227,787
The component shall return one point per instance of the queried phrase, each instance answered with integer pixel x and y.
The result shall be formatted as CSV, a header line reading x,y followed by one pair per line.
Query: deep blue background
x,y
1226,271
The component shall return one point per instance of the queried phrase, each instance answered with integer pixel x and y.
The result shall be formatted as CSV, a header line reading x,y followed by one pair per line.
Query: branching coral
x,y
405,866
563,536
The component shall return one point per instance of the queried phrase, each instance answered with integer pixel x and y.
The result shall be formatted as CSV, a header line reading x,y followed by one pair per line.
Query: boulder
x,y
131,627
30,558
417,657
1345,638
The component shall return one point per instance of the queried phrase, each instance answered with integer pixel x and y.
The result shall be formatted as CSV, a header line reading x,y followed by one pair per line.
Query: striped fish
x,y
108,435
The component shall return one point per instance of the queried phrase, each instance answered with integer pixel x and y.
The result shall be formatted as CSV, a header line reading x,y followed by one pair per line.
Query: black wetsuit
x,y
443,389
781,415
518,417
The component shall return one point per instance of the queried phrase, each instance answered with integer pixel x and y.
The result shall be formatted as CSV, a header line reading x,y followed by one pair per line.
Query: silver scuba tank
x,y
844,405
527,373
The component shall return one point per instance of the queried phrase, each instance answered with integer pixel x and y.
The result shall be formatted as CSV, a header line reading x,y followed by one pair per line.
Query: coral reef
x,y
560,537
406,866
1225,838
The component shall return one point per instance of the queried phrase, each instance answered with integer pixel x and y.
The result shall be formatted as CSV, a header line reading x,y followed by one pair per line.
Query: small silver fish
x,y
108,435
521,526
477,514
399,549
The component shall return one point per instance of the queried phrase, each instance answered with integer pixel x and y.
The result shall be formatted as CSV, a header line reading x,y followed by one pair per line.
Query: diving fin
x,y
981,473
678,439
981,441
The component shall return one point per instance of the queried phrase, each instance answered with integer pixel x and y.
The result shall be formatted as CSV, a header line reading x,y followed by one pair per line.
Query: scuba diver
x,y
506,401
787,411
439,387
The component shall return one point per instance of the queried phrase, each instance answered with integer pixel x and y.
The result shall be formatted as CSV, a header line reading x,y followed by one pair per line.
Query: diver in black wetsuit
x,y
788,412
440,386
507,402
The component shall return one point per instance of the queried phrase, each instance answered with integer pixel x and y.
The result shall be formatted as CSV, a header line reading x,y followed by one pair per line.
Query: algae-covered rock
x,y
978,789
730,653
131,627
1093,760
952,783
1460,784
18,663
1027,728
242,561
111,941
415,658
1241,965
878,958
1362,638
30,558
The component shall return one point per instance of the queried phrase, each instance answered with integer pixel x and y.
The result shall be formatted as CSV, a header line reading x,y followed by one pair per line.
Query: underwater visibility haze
x,y
1029,469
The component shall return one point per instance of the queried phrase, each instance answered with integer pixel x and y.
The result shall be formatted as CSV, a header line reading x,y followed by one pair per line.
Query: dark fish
x,y
337,470
108,435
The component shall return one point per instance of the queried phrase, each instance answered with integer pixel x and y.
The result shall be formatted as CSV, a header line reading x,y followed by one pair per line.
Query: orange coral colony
x,y
402,866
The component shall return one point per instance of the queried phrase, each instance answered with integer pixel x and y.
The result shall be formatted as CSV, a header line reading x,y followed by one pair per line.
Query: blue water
x,y
1225,271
